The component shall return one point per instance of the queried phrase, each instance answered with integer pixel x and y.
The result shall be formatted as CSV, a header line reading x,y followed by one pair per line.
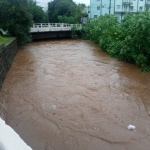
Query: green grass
x,y
6,39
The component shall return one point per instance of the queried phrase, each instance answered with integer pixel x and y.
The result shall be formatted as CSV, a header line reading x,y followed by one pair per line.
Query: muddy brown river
x,y
69,95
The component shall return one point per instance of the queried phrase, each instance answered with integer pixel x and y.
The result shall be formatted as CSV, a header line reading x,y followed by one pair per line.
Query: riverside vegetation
x,y
20,16
63,11
128,41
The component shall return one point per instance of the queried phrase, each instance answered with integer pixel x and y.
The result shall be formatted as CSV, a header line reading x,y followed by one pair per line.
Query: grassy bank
x,y
6,39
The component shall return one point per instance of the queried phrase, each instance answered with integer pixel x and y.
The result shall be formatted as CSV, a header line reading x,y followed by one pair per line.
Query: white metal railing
x,y
45,27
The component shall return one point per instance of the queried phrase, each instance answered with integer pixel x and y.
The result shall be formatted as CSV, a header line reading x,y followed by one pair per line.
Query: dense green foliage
x,y
128,41
66,19
39,16
17,16
74,32
65,11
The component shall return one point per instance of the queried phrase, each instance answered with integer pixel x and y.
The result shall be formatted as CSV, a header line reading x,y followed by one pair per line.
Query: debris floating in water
x,y
131,127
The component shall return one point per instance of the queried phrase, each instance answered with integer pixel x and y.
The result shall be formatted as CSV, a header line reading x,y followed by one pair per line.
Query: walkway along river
x,y
69,95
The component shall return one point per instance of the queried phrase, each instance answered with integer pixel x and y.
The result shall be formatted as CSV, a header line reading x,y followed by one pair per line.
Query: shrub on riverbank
x,y
128,41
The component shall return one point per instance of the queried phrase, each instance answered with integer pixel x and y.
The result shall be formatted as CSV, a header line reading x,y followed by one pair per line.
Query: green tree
x,y
66,11
81,11
37,12
16,18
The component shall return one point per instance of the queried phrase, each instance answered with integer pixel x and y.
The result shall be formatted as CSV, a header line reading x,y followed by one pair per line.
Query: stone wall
x,y
7,55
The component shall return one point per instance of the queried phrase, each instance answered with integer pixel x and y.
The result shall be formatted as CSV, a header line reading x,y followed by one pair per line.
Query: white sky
x,y
87,2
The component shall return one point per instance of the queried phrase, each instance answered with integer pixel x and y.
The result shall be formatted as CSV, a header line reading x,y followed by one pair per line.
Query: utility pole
x,y
109,6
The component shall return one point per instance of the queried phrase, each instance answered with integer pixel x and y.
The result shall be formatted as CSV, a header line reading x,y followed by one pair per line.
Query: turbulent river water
x,y
69,95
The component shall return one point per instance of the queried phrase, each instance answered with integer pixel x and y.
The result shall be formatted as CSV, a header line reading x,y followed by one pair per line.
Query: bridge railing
x,y
46,27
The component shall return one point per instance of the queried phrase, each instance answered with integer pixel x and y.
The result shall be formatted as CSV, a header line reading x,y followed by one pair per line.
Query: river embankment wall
x,y
7,54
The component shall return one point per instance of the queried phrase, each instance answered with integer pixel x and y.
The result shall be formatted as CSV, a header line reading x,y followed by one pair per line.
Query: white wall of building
x,y
116,7
101,7
94,12
140,5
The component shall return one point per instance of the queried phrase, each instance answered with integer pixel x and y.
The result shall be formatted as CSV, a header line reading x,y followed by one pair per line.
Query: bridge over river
x,y
51,30
70,95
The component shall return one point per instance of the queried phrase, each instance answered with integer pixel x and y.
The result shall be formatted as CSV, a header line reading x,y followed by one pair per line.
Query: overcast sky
x,y
87,2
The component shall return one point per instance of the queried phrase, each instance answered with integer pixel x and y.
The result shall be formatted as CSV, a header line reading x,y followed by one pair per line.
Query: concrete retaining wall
x,y
7,55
